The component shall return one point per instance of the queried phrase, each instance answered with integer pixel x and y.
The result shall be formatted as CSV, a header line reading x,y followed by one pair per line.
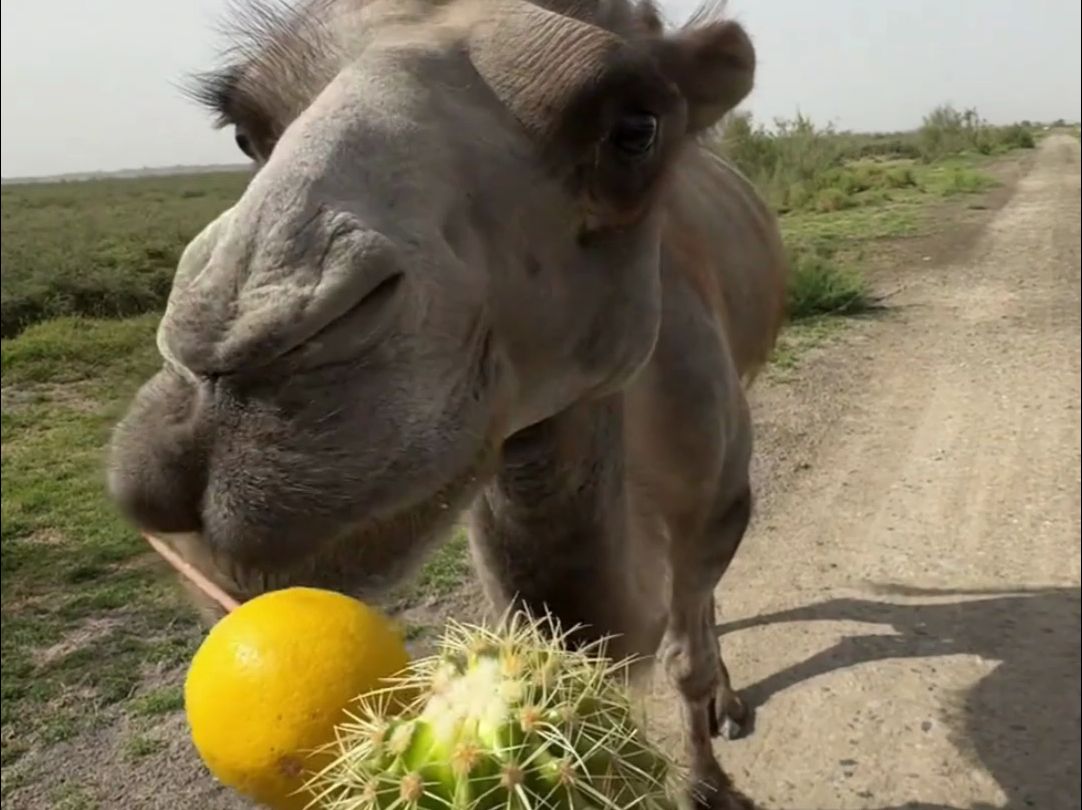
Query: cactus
x,y
508,719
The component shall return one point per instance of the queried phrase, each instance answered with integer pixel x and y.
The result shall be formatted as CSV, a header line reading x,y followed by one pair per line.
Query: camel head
x,y
452,234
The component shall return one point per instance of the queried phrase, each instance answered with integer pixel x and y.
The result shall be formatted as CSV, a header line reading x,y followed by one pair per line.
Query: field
x,y
95,636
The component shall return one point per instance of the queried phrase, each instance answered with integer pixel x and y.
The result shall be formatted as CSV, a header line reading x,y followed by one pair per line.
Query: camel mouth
x,y
364,560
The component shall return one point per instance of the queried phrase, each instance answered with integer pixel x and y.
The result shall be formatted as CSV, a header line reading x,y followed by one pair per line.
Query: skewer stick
x,y
193,574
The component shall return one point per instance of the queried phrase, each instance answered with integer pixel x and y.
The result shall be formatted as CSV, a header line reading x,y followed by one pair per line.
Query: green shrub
x,y
899,177
875,197
960,180
787,165
794,163
832,199
947,131
1017,136
902,145
820,286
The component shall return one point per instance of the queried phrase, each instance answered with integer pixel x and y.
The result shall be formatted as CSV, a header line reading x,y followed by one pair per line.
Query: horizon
x,y
239,166
111,118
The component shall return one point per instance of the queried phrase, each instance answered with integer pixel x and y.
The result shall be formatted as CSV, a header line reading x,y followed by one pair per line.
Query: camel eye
x,y
244,143
634,135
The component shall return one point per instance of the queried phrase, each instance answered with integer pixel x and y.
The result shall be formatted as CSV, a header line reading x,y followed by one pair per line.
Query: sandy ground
x,y
905,611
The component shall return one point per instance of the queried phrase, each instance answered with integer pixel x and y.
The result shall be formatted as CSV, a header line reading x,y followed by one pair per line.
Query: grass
x,y
140,746
104,248
445,570
77,350
164,700
71,797
84,620
801,336
87,618
90,621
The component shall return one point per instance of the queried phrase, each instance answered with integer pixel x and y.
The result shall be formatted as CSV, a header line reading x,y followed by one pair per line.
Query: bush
x,y
947,131
800,166
887,146
832,199
964,181
876,197
788,165
899,177
819,286
1017,136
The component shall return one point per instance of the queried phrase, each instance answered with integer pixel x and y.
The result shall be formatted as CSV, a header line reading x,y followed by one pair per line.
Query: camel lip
x,y
224,581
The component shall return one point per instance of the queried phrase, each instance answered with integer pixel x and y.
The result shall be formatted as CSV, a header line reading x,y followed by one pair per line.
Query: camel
x,y
487,268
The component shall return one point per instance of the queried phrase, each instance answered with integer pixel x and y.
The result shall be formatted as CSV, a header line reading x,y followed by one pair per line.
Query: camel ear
x,y
713,65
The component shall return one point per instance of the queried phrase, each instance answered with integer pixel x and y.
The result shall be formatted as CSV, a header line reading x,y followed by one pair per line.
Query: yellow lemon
x,y
272,680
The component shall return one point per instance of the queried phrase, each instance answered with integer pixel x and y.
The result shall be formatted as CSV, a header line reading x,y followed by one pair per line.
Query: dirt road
x,y
905,612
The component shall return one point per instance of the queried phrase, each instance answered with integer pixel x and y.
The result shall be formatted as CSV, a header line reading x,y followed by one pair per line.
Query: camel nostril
x,y
382,292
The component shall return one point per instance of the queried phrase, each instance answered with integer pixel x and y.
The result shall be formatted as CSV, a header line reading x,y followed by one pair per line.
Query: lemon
x,y
272,680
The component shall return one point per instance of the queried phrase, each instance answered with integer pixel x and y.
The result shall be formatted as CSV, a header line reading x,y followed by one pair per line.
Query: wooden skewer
x,y
193,574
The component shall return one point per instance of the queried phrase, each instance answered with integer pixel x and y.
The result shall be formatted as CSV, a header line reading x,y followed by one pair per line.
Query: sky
x,y
90,86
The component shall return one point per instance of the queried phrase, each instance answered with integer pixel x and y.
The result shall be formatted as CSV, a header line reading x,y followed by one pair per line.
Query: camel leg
x,y
728,711
693,656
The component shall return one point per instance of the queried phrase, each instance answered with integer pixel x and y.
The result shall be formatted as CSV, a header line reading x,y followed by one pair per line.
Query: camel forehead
x,y
279,57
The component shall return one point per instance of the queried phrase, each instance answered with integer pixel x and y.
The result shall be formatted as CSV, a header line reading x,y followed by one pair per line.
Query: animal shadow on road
x,y
1021,721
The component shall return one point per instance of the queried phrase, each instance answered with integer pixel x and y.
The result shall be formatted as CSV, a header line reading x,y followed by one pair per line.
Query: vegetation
x,y
85,619
91,627
104,248
835,190
946,131
799,166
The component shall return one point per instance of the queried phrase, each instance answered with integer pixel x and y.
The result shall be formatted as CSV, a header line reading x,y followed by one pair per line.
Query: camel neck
x,y
553,522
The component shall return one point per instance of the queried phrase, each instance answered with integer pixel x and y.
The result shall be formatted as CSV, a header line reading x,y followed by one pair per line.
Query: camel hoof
x,y
731,721
730,729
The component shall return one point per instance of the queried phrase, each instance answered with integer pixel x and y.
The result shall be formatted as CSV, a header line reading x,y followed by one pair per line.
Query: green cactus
x,y
507,719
